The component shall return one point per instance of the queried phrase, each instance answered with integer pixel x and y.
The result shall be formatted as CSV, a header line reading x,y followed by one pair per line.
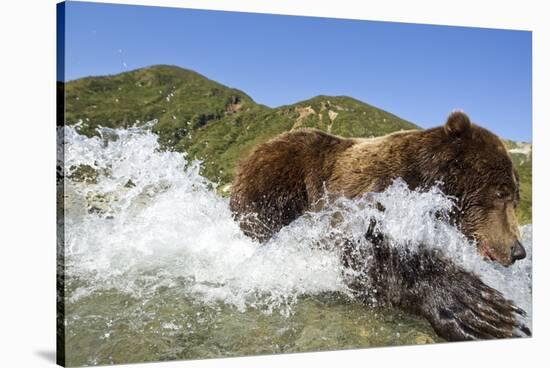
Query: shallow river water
x,y
156,269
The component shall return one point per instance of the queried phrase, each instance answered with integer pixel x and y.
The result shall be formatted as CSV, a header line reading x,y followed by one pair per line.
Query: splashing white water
x,y
150,220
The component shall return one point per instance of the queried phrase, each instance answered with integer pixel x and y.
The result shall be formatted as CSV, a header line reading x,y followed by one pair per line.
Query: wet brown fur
x,y
286,176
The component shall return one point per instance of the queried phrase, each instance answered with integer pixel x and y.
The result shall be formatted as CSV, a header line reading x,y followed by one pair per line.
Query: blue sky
x,y
417,72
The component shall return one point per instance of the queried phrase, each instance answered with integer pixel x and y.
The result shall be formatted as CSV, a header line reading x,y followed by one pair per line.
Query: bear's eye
x,y
502,195
499,194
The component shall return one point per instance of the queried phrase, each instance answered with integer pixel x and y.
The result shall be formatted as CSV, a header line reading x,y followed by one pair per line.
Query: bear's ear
x,y
458,125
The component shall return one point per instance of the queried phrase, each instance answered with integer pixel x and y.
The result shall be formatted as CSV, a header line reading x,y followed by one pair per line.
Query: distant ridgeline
x,y
219,125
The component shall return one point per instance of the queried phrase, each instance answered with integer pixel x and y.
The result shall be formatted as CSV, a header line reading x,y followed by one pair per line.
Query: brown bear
x,y
288,175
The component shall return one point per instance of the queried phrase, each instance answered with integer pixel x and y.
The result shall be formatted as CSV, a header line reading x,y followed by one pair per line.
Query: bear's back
x,y
281,178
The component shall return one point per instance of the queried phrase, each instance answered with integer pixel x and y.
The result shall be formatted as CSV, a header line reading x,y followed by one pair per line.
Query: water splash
x,y
148,220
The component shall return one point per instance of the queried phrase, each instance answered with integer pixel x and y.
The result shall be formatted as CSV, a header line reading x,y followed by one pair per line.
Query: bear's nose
x,y
518,252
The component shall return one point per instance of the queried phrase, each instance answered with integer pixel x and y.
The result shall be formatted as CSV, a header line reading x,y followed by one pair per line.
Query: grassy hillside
x,y
522,158
181,100
219,125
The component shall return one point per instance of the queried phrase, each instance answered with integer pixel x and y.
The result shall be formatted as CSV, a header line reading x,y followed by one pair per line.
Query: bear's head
x,y
476,168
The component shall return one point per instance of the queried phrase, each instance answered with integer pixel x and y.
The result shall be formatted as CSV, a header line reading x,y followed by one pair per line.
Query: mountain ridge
x,y
207,119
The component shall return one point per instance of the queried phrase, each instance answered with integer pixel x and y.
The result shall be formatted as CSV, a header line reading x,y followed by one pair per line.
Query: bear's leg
x,y
458,305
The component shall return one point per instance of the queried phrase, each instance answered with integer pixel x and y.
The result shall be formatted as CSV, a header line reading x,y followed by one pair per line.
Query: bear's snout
x,y
517,252
506,255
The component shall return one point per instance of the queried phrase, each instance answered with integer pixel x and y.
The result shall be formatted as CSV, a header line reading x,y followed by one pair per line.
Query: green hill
x,y
211,122
181,100
522,157
218,124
